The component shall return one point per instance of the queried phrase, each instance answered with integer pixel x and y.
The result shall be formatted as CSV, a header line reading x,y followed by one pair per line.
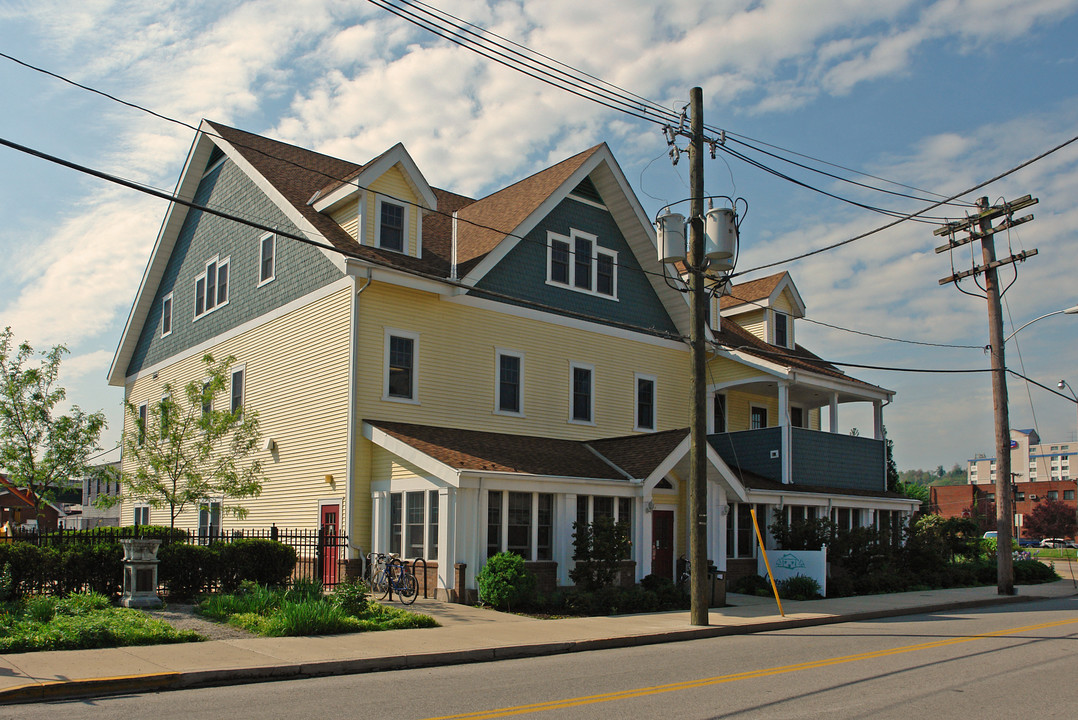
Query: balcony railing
x,y
817,458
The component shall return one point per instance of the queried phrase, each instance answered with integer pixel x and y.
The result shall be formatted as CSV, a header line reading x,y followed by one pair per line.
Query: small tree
x,y
189,450
1051,519
40,450
599,549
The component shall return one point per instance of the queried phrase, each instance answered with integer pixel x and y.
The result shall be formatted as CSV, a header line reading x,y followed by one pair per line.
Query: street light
x,y
1067,311
1064,384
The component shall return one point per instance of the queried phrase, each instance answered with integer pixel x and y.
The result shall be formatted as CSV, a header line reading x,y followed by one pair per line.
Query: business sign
x,y
788,563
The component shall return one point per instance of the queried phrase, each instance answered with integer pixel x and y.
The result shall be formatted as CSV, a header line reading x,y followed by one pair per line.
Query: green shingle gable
x,y
300,268
522,273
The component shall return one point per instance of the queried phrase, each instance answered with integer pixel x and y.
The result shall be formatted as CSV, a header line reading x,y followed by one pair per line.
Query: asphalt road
x,y
1016,661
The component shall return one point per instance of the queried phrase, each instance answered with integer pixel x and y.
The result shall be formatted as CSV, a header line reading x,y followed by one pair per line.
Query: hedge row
x,y
184,570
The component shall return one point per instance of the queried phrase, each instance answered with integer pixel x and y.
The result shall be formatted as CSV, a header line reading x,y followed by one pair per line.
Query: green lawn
x,y
1052,553
80,621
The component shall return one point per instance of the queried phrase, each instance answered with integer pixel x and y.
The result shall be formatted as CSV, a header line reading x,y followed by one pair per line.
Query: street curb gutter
x,y
52,690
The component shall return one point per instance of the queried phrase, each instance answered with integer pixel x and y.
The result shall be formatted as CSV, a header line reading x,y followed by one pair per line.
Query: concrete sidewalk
x,y
467,634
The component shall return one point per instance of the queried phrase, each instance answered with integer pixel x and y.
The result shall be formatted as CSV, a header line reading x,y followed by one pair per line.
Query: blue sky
x,y
937,95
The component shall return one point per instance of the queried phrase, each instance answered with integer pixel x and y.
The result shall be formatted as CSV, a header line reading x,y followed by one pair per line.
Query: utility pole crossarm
x,y
973,235
979,269
989,214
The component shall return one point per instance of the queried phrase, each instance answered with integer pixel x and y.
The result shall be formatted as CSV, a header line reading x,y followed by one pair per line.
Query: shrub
x,y
504,582
265,562
751,585
186,570
1032,572
798,587
352,597
7,584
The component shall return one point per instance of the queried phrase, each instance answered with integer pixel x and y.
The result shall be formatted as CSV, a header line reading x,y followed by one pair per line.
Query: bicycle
x,y
388,574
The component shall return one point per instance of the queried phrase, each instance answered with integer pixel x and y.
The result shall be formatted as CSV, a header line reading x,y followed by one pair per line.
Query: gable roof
x,y
751,295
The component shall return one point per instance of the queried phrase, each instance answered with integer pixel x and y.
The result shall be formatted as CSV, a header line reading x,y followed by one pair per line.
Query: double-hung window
x,y
392,221
645,402
521,523
578,262
209,520
236,402
581,393
267,258
401,353
166,315
211,287
758,418
140,430
142,515
510,383
782,329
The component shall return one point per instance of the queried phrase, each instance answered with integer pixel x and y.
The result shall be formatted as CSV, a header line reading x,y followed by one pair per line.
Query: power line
x,y
478,292
752,349
934,205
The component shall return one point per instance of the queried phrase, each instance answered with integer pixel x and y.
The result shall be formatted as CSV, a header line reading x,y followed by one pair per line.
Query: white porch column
x,y
784,428
447,551
714,513
833,412
641,537
722,517
563,536
380,521
877,419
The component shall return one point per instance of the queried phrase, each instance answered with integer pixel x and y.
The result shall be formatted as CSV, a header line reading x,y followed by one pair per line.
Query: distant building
x,y
17,509
103,479
1041,471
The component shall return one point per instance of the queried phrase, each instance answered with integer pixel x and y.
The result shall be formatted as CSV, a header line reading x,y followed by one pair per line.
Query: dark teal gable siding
x,y
522,273
300,268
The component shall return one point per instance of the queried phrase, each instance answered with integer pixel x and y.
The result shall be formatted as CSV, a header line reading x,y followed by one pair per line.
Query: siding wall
x,y
301,397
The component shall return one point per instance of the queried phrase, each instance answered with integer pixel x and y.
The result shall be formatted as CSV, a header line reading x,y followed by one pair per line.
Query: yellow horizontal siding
x,y
457,369
754,322
347,216
296,378
784,302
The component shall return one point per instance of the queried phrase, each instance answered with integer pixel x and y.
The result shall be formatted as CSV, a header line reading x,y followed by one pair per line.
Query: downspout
x,y
453,260
353,375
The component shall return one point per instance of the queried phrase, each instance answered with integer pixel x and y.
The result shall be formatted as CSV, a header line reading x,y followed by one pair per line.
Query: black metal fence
x,y
320,555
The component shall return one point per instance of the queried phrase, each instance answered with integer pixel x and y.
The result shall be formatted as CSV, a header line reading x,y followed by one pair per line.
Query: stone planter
x,y
140,573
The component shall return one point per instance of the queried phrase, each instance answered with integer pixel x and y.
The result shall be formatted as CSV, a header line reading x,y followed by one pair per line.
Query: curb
x,y
52,690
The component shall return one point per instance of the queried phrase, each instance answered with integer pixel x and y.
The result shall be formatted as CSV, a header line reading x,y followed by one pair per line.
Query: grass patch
x,y
305,610
80,621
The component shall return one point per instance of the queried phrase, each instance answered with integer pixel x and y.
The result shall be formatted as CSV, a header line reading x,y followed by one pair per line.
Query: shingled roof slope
x,y
639,455
488,221
752,291
499,452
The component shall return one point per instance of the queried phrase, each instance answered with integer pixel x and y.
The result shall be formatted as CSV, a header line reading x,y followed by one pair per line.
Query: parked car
x,y
1056,543
991,535
1029,542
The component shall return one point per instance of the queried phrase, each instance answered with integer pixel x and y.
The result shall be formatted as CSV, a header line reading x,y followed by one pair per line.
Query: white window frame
x,y
272,237
414,337
142,510
218,263
406,239
573,367
637,378
788,319
499,353
144,418
596,251
208,504
166,302
232,371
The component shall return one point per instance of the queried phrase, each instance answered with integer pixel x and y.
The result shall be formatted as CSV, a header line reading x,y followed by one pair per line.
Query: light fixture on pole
x,y
1067,311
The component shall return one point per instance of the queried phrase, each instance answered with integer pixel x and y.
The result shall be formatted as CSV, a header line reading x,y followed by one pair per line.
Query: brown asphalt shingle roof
x,y
486,222
751,291
527,454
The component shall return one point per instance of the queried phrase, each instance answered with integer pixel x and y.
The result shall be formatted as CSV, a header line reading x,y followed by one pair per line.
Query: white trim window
x,y
267,258
211,287
582,393
644,403
166,315
509,383
236,390
140,423
757,417
209,520
413,521
521,523
577,262
400,362
392,225
142,515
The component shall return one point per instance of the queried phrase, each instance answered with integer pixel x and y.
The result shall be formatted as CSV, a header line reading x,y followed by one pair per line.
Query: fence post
x,y
320,556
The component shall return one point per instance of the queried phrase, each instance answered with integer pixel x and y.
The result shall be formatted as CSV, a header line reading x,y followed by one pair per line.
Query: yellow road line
x,y
746,675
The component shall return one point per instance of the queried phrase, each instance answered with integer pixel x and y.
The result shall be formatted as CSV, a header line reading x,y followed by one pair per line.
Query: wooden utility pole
x,y
697,415
985,232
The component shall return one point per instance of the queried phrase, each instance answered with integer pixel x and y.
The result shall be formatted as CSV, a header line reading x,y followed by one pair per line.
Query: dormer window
x,y
782,329
392,220
579,263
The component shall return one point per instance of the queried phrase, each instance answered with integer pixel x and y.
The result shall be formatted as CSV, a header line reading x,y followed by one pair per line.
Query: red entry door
x,y
662,543
329,545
